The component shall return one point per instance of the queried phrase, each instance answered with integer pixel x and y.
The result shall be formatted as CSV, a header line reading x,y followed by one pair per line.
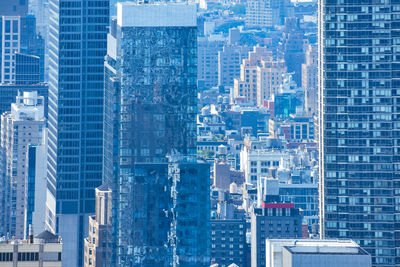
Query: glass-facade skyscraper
x,y
77,46
360,125
160,189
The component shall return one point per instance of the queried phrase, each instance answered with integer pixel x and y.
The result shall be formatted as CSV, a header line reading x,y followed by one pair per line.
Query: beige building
x,y
269,79
97,244
21,127
262,14
42,251
309,79
260,76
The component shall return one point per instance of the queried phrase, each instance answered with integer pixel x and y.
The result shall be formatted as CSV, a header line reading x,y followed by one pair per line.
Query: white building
x,y
315,253
257,163
21,127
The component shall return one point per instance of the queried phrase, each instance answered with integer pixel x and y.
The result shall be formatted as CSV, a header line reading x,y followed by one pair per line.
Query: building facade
x,y
246,85
228,242
359,129
150,138
208,49
19,36
97,244
77,47
229,61
22,126
42,250
272,220
309,80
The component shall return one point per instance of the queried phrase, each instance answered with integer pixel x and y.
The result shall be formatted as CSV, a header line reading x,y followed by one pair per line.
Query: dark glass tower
x,y
77,46
360,125
160,189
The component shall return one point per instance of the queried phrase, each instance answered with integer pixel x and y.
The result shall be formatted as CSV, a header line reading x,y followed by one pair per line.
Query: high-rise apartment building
x,y
150,135
246,84
22,126
359,125
77,47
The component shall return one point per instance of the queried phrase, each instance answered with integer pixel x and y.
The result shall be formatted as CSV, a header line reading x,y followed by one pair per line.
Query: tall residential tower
x,y
360,125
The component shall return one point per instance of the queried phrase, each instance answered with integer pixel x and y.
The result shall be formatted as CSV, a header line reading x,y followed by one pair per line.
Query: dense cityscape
x,y
203,133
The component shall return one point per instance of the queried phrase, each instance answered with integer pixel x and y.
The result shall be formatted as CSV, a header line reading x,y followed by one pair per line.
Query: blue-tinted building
x,y
160,190
77,46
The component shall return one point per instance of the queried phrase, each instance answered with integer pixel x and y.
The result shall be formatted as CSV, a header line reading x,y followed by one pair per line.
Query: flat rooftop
x,y
131,14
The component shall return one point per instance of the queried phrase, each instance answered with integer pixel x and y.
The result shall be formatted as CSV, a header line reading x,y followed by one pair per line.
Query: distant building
x,y
260,76
304,196
21,127
98,243
309,79
42,250
224,176
207,60
296,128
257,163
266,13
292,48
315,253
14,8
246,85
272,220
270,77
19,36
27,69
229,61
228,242
252,121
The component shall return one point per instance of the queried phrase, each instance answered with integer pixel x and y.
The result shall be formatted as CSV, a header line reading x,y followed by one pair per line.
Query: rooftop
x,y
160,14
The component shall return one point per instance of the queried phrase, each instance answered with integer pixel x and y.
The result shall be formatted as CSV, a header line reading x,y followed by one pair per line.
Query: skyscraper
x,y
359,125
77,46
160,191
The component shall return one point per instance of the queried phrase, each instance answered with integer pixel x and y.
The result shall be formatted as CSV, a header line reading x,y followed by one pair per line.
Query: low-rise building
x,y
43,250
315,253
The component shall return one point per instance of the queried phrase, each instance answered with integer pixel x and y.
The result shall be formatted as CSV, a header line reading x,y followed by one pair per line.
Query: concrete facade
x,y
315,253
22,126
